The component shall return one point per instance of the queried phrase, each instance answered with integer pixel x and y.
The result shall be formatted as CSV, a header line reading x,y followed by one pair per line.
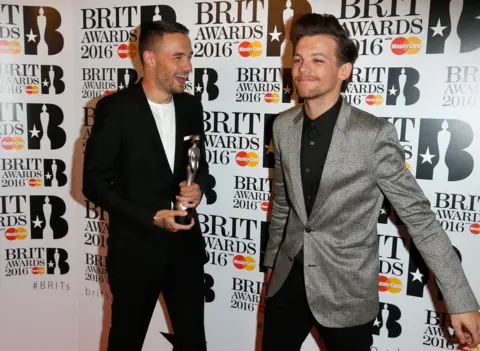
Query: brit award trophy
x,y
192,167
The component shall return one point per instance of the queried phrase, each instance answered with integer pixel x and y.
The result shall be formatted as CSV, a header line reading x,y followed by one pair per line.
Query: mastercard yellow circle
x,y
21,233
14,47
276,98
378,99
250,263
257,49
413,46
252,159
18,143
395,285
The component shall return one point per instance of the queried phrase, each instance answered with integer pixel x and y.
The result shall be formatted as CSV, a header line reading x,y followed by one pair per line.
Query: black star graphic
x,y
169,337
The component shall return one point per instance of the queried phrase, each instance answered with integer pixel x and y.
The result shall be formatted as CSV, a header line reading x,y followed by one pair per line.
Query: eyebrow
x,y
183,54
316,54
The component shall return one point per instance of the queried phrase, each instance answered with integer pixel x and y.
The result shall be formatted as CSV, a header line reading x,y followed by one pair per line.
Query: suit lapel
x,y
180,111
146,116
334,160
295,146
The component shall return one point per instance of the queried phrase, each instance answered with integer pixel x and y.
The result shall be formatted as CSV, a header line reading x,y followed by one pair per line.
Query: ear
x,y
345,71
149,58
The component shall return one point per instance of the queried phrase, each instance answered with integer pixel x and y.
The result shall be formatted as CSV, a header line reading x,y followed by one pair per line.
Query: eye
x,y
296,60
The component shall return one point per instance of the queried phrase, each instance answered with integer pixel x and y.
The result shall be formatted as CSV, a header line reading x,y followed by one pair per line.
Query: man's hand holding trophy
x,y
181,217
189,197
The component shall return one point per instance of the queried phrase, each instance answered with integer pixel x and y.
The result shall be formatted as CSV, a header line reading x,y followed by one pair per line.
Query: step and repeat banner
x,y
419,68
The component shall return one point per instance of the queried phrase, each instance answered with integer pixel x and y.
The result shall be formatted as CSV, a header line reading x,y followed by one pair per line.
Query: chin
x,y
309,94
178,89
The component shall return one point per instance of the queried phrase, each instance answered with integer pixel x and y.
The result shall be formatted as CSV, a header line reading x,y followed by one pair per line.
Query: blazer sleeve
x,y
280,208
413,207
101,154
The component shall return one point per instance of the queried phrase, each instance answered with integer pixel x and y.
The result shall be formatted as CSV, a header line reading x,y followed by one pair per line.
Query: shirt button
x,y
308,197
312,143
307,170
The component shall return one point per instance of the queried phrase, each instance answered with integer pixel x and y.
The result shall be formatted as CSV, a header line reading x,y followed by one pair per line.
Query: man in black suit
x,y
135,168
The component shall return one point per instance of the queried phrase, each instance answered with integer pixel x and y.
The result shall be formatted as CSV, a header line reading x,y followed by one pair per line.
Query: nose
x,y
187,65
303,67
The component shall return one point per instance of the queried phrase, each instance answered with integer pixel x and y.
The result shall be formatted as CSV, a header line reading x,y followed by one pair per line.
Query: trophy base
x,y
184,220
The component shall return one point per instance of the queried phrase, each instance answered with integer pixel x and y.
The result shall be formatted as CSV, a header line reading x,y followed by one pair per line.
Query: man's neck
x,y
321,104
155,94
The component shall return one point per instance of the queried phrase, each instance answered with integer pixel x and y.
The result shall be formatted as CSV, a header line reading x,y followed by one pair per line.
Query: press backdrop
x,y
418,68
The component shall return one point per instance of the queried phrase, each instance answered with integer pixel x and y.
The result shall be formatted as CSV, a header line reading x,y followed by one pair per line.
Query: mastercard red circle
x,y
475,228
266,206
239,262
383,283
242,158
11,234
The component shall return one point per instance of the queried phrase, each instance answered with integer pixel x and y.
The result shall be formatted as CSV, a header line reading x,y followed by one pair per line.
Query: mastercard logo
x,y
11,47
127,50
475,228
374,99
393,285
34,182
244,262
266,206
409,166
32,89
247,159
272,97
12,234
12,143
38,270
247,49
108,92
409,46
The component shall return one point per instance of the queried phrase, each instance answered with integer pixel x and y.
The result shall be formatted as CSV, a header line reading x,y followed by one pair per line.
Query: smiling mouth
x,y
181,79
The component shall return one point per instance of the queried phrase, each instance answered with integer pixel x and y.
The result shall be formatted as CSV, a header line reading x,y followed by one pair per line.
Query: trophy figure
x,y
126,78
157,16
56,257
54,173
286,46
45,143
51,75
441,170
205,84
192,167
47,212
402,79
42,46
453,41
385,315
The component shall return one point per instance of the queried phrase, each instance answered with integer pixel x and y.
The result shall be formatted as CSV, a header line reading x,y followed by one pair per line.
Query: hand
x,y
268,276
467,327
165,219
189,195
266,281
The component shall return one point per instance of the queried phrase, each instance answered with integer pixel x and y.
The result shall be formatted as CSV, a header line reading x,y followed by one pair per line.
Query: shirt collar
x,y
328,118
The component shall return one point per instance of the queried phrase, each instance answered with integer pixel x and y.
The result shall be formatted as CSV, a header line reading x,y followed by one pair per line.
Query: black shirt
x,y
316,137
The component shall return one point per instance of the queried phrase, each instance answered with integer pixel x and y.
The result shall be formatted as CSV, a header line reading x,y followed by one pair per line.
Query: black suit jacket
x,y
127,173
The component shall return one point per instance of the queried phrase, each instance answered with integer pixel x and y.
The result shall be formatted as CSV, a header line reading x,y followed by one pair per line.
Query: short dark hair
x,y
316,24
150,32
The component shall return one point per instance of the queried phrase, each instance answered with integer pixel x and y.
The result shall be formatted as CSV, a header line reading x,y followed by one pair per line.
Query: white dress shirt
x,y
165,120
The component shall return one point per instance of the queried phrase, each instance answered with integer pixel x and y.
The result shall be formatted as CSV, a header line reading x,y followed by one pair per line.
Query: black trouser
x,y
288,320
182,282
